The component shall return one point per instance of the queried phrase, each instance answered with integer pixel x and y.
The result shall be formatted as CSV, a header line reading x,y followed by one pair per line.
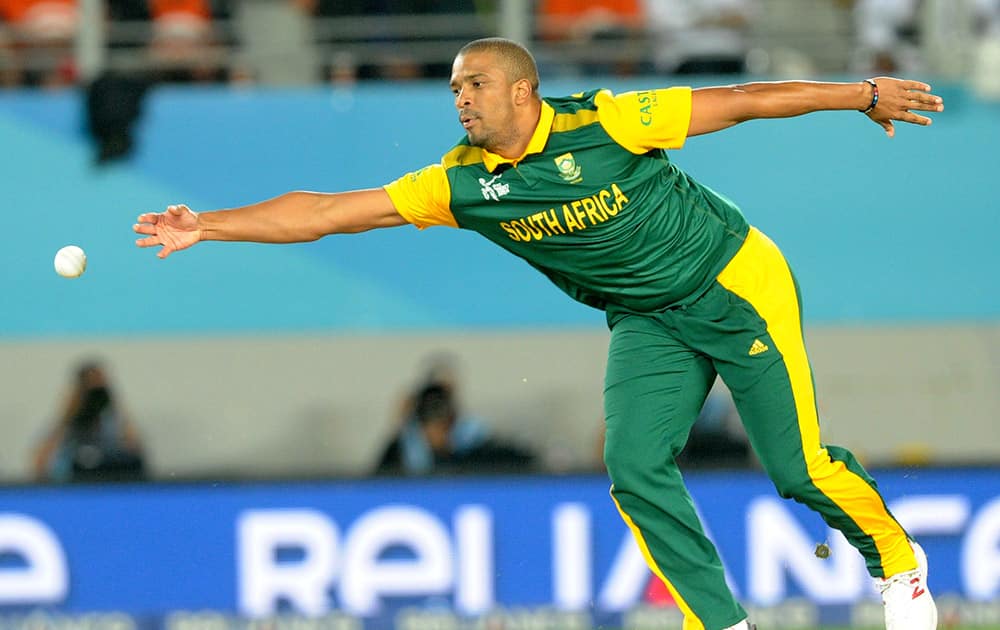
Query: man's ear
x,y
522,91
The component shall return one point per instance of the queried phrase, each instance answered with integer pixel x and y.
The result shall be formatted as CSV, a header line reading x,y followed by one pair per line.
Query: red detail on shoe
x,y
917,590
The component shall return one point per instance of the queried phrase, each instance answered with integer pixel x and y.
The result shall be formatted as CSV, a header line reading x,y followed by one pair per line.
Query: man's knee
x,y
629,465
618,464
793,485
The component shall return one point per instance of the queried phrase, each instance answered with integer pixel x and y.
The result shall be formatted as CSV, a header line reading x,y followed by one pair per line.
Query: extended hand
x,y
897,98
175,229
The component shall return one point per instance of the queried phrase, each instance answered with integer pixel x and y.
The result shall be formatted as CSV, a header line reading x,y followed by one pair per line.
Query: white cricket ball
x,y
70,261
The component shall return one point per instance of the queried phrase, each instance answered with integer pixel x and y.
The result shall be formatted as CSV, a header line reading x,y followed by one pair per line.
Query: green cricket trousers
x,y
746,328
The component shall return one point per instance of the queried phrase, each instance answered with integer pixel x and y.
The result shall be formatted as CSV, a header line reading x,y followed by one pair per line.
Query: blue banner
x,y
367,551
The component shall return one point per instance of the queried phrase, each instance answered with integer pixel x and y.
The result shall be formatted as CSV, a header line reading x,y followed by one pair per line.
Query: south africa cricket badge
x,y
568,168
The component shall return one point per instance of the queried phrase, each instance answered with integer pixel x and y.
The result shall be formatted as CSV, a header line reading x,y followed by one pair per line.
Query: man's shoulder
x,y
574,103
462,154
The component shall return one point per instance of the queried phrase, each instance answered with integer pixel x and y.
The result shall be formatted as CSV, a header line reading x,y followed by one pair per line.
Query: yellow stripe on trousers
x,y
691,621
772,293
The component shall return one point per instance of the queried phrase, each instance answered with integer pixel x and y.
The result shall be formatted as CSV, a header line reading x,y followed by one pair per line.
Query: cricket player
x,y
583,189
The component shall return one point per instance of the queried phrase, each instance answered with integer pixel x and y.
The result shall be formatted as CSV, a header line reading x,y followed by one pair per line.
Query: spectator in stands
x,y
182,41
114,103
583,26
888,33
897,36
11,74
986,55
441,369
395,60
40,49
435,439
700,36
94,439
342,69
987,18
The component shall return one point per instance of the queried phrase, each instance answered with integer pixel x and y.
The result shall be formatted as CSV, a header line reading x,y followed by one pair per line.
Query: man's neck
x,y
526,123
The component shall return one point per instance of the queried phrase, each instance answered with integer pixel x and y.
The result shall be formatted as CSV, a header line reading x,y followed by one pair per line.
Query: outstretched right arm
x,y
294,217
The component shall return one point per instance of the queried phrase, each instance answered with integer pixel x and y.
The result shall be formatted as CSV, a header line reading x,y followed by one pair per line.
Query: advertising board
x,y
439,553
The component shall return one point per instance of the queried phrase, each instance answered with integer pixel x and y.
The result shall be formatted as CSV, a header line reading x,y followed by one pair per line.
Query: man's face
x,y
437,432
484,99
92,378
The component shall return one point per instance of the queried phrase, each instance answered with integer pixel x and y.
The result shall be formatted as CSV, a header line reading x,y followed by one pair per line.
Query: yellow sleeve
x,y
649,119
423,197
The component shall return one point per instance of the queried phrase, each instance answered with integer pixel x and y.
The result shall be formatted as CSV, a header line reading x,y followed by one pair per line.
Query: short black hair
x,y
518,62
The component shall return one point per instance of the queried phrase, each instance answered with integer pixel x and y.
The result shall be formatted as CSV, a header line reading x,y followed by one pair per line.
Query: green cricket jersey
x,y
594,203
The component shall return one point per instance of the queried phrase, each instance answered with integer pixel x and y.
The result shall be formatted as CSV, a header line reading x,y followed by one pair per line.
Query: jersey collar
x,y
535,145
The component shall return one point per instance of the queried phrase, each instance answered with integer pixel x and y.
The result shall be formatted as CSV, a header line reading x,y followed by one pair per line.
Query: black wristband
x,y
874,102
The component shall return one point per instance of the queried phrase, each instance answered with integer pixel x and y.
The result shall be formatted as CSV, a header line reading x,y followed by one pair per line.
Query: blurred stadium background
x,y
265,381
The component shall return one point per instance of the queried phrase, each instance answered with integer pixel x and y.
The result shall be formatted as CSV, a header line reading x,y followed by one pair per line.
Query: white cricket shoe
x,y
907,600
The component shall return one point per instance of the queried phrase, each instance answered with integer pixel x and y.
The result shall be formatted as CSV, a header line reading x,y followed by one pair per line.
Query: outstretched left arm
x,y
715,108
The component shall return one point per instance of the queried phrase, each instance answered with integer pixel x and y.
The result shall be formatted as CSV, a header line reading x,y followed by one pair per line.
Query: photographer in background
x,y
435,440
93,440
